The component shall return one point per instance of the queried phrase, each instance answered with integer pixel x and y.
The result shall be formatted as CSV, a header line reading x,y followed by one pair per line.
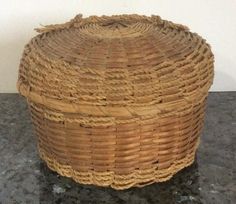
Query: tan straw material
x,y
117,100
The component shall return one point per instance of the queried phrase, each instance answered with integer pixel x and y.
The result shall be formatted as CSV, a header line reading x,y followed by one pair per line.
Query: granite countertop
x,y
24,178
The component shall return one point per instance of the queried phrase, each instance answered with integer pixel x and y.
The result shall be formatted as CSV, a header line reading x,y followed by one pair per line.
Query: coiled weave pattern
x,y
117,100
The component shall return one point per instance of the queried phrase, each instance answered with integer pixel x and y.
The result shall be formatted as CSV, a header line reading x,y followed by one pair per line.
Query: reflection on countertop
x,y
24,178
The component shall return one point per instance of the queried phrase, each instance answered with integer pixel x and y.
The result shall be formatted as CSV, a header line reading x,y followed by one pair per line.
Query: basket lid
x,y
120,60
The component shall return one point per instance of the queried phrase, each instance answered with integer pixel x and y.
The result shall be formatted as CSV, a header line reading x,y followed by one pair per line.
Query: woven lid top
x,y
121,60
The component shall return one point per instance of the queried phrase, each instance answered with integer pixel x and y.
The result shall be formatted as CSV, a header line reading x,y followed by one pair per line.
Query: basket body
x,y
118,127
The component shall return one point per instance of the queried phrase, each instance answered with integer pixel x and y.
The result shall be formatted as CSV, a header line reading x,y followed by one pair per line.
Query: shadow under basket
x,y
117,100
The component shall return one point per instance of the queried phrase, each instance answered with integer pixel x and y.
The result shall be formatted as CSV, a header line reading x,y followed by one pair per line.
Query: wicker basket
x,y
117,100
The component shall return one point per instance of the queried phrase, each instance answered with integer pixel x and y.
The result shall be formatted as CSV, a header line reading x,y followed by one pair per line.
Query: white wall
x,y
215,20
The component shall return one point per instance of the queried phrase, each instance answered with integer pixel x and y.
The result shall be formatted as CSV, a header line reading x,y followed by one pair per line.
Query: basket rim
x,y
114,110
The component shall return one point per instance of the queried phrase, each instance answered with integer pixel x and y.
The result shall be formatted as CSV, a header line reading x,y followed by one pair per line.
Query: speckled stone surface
x,y
24,178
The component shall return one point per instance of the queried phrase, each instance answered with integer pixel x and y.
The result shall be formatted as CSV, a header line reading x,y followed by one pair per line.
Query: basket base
x,y
138,178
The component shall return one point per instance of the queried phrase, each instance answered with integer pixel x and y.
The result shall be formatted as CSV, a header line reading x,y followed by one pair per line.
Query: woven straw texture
x,y
117,100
